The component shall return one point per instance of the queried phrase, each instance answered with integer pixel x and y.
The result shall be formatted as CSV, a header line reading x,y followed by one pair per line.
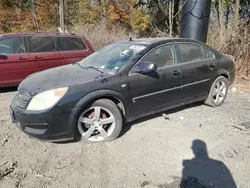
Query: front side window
x,y
42,44
112,57
12,45
190,52
71,44
162,56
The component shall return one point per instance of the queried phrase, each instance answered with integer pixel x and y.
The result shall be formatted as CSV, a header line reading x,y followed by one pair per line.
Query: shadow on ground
x,y
201,171
128,126
8,89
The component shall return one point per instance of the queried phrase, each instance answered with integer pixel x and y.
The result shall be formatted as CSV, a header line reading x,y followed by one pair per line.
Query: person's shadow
x,y
204,172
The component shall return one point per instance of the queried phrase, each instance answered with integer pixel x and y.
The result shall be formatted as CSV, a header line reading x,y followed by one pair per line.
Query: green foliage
x,y
23,4
82,12
140,21
150,4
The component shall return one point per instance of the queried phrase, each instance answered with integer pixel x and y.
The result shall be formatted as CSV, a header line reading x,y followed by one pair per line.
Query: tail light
x,y
232,57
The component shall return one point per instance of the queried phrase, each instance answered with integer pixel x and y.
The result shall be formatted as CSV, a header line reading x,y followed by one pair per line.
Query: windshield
x,y
112,57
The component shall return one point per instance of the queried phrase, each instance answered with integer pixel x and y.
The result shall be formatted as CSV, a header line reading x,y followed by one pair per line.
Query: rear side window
x,y
207,53
71,44
42,44
190,52
12,45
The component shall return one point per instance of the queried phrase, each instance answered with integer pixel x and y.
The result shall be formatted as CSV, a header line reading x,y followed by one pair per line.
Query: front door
x,y
199,67
14,61
156,90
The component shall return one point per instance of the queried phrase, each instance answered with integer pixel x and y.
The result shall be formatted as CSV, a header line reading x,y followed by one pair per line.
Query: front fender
x,y
223,72
92,96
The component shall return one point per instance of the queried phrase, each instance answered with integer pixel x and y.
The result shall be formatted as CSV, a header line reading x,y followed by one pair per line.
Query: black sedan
x,y
124,81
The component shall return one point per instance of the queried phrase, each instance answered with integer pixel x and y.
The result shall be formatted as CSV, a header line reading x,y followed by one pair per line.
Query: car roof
x,y
159,40
37,34
153,42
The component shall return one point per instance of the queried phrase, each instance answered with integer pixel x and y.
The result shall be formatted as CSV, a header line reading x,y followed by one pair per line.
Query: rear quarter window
x,y
71,44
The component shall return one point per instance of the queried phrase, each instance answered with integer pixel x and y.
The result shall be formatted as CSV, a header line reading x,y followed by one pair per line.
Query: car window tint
x,y
42,44
190,52
71,44
12,45
162,56
207,53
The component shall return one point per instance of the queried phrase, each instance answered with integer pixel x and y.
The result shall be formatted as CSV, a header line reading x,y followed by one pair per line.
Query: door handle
x,y
211,66
176,73
22,58
38,57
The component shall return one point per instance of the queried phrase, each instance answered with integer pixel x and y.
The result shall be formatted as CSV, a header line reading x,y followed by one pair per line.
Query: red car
x,y
24,54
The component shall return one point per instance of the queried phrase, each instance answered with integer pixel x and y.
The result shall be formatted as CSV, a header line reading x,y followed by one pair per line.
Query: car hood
x,y
63,76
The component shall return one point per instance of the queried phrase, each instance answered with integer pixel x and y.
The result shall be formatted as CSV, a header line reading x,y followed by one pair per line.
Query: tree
x,y
34,15
164,14
236,14
61,13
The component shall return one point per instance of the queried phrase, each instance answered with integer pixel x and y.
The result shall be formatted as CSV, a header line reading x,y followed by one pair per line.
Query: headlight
x,y
46,99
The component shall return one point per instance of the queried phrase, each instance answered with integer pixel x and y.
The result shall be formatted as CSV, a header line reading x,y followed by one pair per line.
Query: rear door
x,y
199,67
73,49
14,61
43,51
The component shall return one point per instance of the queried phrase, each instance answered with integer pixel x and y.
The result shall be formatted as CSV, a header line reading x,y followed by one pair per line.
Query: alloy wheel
x,y
219,92
96,124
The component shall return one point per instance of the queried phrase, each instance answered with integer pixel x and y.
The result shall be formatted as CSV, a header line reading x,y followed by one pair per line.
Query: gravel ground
x,y
150,153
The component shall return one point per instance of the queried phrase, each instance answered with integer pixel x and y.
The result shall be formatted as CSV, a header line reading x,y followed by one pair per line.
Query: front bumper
x,y
51,125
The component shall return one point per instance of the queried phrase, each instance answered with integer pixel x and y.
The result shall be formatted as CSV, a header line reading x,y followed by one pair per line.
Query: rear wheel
x,y
101,122
218,92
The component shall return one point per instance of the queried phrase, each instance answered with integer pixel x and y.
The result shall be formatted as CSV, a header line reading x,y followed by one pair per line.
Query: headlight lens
x,y
46,99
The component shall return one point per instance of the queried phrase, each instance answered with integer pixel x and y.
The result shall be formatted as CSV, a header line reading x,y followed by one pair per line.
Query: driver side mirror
x,y
145,67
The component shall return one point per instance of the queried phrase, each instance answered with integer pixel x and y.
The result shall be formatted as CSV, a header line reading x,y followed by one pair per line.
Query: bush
x,y
100,35
236,44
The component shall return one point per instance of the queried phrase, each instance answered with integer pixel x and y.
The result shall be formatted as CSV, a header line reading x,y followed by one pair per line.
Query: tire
x,y
218,92
103,118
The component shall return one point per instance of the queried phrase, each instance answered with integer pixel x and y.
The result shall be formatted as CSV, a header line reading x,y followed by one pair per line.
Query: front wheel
x,y
101,122
218,92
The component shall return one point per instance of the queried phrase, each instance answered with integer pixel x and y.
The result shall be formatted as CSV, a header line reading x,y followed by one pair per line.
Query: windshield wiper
x,y
79,65
95,68
90,67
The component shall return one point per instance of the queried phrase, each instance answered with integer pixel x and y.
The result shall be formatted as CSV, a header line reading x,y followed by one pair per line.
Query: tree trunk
x,y
34,15
104,11
236,16
61,12
221,19
227,15
176,17
217,11
170,17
